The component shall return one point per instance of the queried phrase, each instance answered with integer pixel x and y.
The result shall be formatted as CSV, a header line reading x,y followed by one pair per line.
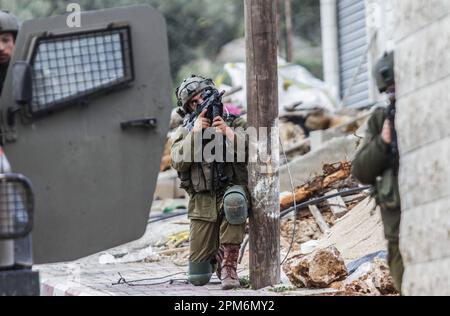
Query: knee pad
x,y
200,273
235,205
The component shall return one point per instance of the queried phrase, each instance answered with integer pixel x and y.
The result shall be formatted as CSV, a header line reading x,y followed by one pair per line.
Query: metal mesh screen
x,y
67,68
16,206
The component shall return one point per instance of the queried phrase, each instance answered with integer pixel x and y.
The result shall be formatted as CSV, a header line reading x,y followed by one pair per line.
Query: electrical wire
x,y
163,217
122,280
324,198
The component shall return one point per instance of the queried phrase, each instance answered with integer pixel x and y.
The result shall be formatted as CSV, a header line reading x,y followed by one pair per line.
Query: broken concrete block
x,y
316,270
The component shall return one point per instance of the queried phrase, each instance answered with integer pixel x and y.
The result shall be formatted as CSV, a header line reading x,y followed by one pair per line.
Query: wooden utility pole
x,y
289,32
262,105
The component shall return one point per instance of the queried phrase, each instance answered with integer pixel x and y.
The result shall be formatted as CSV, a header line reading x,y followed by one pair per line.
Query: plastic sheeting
x,y
296,85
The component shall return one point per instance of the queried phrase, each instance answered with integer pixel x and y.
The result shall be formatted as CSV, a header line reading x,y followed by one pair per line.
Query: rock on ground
x,y
316,270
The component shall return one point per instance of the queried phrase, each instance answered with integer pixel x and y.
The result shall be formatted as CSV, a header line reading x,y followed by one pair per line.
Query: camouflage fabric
x,y
209,227
190,87
204,205
395,262
8,22
375,165
206,237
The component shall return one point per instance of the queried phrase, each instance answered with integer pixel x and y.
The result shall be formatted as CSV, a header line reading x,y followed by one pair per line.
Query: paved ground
x,y
82,278
77,279
88,277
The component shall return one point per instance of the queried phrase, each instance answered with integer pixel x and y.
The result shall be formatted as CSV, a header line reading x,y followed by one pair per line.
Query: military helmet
x,y
384,71
9,23
190,87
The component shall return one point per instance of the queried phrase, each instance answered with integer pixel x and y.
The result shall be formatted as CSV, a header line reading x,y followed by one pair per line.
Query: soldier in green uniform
x,y
377,163
9,26
217,209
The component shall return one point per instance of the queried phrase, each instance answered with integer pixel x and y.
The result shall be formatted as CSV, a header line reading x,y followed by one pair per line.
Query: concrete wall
x,y
380,31
330,48
422,45
419,33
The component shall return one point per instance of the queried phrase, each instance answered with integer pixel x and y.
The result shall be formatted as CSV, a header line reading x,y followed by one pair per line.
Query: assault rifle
x,y
212,102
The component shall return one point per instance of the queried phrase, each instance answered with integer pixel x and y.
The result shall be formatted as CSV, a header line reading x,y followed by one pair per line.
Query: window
x,y
69,68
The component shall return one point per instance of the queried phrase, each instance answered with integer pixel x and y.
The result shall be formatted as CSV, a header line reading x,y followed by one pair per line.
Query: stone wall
x,y
422,45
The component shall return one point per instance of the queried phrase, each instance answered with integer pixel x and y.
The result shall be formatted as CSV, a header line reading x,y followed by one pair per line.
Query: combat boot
x,y
230,279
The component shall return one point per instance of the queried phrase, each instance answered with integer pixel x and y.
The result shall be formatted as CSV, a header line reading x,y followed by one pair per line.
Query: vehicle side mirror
x,y
22,83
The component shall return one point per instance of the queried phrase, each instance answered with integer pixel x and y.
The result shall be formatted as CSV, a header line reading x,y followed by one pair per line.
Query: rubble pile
x,y
358,240
335,177
371,279
358,233
306,229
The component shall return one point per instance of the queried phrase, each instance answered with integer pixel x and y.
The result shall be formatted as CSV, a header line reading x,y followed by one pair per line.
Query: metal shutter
x,y
352,41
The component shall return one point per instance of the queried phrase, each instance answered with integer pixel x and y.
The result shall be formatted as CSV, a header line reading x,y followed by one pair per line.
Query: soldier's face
x,y
195,101
6,47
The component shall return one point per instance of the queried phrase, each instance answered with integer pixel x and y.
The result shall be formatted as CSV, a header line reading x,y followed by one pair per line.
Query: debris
x,y
318,120
290,134
371,279
308,247
316,270
337,205
173,251
304,168
354,265
143,254
296,85
319,218
282,289
177,239
358,233
382,278
306,230
331,174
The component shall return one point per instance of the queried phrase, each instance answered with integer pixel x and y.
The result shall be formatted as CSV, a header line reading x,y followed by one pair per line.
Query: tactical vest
x,y
205,176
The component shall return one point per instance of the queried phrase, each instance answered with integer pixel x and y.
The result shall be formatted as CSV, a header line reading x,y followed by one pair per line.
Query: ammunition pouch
x,y
235,205
185,181
201,177
204,177
200,273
